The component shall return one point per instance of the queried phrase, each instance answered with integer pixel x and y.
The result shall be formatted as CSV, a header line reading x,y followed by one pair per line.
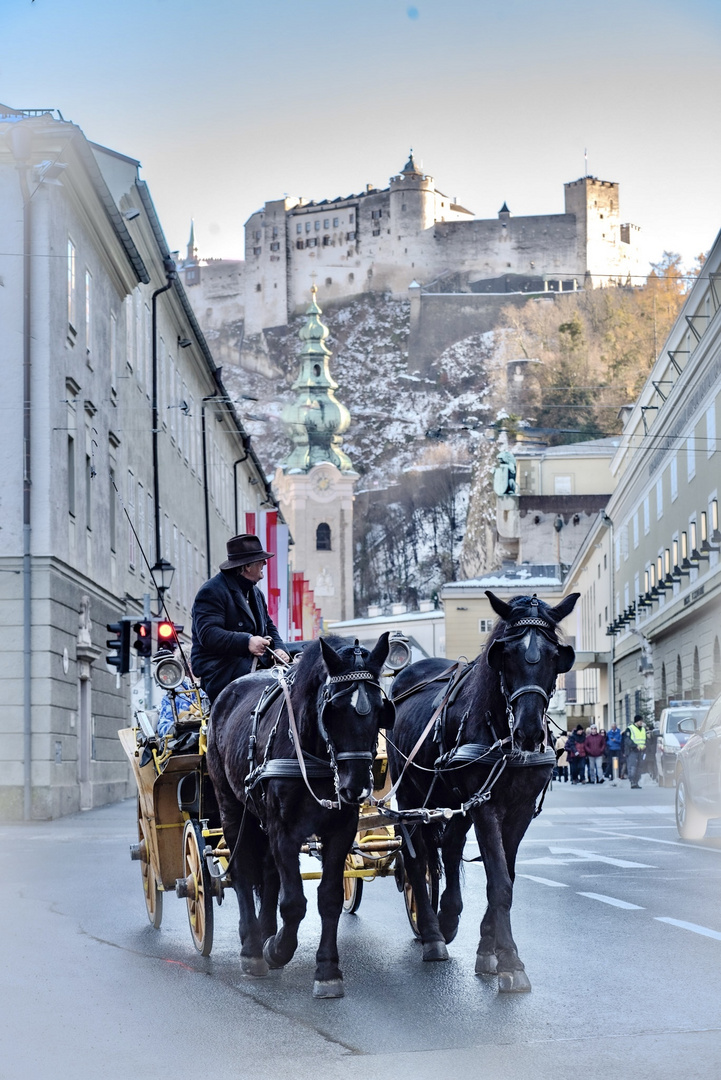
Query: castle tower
x,y
413,201
606,249
315,482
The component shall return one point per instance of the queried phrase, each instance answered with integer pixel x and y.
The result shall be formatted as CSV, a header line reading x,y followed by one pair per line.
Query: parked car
x,y
670,739
698,774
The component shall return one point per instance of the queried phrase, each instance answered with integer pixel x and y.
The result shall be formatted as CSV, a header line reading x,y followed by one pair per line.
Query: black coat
x,y
223,624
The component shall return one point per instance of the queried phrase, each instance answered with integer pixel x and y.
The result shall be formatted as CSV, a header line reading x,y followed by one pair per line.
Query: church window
x,y
322,537
335,222
299,228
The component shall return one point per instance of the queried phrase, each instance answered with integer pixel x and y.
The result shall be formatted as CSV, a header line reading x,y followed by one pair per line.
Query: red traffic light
x,y
166,631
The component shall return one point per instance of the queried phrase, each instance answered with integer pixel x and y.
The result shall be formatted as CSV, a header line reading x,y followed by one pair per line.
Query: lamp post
x,y
162,575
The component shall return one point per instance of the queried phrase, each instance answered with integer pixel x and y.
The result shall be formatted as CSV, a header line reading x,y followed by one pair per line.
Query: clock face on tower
x,y
322,484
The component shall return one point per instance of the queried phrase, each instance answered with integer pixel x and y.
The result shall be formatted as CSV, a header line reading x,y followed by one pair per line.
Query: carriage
x,y
180,846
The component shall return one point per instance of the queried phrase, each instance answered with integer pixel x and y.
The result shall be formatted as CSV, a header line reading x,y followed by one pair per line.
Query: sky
x,y
229,103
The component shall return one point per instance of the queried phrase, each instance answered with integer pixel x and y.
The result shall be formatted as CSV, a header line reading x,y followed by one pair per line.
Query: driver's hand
x,y
257,645
283,655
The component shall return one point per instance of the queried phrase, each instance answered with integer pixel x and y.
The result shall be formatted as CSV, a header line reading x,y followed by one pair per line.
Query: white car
x,y
671,739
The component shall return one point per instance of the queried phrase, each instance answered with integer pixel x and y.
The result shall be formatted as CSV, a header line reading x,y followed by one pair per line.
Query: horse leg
x,y
512,977
268,914
451,904
416,867
280,947
328,975
246,877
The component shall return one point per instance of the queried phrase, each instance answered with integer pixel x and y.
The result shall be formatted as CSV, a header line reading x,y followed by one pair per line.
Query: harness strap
x,y
531,688
468,753
327,804
426,682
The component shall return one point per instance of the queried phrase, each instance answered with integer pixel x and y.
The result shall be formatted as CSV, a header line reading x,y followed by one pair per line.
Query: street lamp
x,y
162,575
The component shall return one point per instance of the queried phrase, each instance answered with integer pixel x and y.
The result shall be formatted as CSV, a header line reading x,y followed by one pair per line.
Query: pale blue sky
x,y
228,103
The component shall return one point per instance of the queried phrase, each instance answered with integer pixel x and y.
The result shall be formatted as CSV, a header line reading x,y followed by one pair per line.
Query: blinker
x,y
533,653
360,702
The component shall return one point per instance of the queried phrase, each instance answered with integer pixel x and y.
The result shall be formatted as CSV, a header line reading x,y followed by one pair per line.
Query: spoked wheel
x,y
352,886
410,899
198,890
153,893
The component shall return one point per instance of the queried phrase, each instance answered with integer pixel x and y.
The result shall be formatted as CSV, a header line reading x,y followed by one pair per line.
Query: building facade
x,y
382,240
120,446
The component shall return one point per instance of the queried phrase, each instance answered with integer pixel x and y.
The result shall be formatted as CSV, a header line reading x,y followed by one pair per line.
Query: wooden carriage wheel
x,y
352,886
410,899
153,894
198,888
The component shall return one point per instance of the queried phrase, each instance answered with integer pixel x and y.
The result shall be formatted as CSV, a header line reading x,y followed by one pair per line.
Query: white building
x,y
84,266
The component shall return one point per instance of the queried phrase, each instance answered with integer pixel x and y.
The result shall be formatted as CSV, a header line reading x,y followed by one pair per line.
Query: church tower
x,y
315,482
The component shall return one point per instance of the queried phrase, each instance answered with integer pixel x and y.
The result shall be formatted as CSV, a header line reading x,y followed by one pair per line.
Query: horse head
x,y
525,652
353,707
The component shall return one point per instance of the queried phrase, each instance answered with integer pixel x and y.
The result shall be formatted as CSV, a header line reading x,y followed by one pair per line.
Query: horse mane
x,y
309,677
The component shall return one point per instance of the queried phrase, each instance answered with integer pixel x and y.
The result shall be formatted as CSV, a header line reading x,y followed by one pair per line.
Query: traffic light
x,y
143,643
119,646
168,633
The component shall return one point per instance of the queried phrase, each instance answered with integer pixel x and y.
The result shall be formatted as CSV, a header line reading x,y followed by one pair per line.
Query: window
x,y
326,223
376,232
485,626
307,226
88,311
322,537
258,287
299,244
351,277
673,475
257,250
562,485
71,476
646,516
89,473
71,286
299,228
275,231
317,225
275,247
350,236
111,509
329,281
376,214
336,222
326,241
132,553
659,498
351,218
113,351
711,429
312,242
635,531
691,457
256,234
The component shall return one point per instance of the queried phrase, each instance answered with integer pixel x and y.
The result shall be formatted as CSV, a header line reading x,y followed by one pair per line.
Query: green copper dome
x,y
316,420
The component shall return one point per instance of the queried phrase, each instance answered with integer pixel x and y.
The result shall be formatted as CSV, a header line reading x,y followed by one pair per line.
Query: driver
x,y
231,625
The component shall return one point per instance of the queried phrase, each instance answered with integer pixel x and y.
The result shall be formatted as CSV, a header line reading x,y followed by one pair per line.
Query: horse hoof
x,y
513,982
254,965
435,950
267,956
486,964
328,988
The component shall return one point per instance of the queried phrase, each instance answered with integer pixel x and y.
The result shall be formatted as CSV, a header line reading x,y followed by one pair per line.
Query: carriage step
x,y
139,851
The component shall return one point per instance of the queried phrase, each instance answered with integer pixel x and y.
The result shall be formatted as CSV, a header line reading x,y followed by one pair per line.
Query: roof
x,y
605,447
527,575
408,616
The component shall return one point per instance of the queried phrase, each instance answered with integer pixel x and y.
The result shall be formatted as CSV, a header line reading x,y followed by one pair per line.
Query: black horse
x,y
268,809
487,753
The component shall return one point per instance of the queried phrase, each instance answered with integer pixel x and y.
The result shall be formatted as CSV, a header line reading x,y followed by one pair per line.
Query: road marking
x,y
613,901
693,927
545,881
591,856
673,843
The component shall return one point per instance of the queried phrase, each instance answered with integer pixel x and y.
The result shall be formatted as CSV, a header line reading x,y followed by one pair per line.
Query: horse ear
x,y
566,657
560,611
494,656
499,606
377,658
332,660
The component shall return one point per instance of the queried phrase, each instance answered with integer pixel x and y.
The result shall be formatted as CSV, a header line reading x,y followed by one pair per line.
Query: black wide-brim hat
x,y
243,550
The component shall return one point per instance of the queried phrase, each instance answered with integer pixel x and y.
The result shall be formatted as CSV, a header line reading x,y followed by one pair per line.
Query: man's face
x,y
254,571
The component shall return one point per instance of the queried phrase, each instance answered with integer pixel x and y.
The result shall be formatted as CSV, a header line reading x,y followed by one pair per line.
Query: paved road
x,y
617,920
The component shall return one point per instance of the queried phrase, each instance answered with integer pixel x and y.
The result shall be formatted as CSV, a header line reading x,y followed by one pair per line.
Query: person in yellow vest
x,y
636,749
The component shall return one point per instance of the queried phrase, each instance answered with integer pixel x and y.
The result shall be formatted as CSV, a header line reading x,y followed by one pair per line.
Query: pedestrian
x,y
560,772
576,750
614,749
232,629
635,749
595,745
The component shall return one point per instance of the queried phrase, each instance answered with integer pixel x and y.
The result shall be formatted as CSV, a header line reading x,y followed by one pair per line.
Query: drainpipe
x,y
240,460
210,397
170,275
21,146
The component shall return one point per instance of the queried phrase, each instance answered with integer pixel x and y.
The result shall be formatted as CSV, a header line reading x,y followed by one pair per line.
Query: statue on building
x,y
504,474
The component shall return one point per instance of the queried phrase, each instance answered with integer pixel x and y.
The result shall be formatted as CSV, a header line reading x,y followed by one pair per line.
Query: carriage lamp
x,y
162,575
169,673
399,652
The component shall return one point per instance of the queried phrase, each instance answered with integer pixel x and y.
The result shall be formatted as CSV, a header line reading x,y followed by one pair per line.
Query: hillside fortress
x,y
411,235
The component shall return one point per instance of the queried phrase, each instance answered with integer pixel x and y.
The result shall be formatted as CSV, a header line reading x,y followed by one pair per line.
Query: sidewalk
x,y
567,798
